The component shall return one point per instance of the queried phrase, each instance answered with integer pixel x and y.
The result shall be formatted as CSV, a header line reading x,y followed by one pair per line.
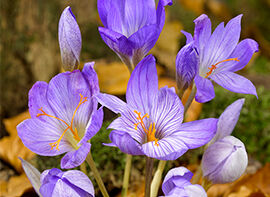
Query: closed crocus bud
x,y
225,160
72,183
177,184
187,61
70,40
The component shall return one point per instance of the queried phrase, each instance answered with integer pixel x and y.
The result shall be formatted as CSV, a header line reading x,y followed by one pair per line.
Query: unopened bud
x,y
225,160
70,40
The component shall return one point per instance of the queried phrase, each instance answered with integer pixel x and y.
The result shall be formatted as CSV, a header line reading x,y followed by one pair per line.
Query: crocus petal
x,y
228,119
142,41
167,113
83,182
70,40
64,96
76,157
125,143
187,62
103,7
197,133
209,56
91,77
188,36
205,89
111,102
37,136
225,160
116,41
143,85
222,42
169,148
47,189
202,32
243,51
138,14
161,12
37,99
195,191
234,83
93,126
176,177
32,174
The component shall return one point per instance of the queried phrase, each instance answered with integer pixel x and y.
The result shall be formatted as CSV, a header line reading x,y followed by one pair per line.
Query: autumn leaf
x,y
16,186
11,147
113,77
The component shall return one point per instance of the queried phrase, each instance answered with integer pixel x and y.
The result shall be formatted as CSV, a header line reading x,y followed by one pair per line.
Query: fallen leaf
x,y
113,77
16,186
249,185
166,53
196,6
11,147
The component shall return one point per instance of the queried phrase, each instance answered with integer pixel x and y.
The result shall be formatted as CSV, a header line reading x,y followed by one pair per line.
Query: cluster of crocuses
x,y
65,114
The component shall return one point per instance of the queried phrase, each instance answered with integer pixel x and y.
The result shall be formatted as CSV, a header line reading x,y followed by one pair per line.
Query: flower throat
x,y
150,132
69,127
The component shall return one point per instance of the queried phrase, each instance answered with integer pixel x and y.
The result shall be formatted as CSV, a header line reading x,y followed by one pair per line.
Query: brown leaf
x,y
11,147
196,6
166,53
113,77
250,185
16,186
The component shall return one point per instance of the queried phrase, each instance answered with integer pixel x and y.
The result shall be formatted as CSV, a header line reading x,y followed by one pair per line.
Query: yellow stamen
x,y
214,66
70,127
150,133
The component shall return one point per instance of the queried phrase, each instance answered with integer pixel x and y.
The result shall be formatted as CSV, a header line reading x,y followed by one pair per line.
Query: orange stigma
x,y
214,66
69,127
150,132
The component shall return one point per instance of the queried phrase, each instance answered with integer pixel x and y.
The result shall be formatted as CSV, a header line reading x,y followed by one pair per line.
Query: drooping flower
x,y
220,55
72,183
151,120
64,116
131,27
70,40
225,160
177,184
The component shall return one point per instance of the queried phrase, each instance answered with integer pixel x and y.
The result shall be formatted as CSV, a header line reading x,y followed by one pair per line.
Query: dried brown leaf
x,y
16,186
113,77
11,147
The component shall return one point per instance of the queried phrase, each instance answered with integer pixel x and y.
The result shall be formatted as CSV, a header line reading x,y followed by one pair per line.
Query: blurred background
x,y
30,52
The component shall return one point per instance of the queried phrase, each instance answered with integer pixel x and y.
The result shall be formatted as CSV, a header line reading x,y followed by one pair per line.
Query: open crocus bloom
x,y
72,183
64,116
219,56
131,27
151,120
177,184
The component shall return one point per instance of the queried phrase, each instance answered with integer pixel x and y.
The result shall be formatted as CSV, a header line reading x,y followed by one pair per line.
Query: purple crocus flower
x,y
70,40
225,160
131,27
151,120
71,183
220,55
64,116
177,184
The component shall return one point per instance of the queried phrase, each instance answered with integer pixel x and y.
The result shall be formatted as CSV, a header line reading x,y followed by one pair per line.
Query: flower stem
x,y
98,179
197,175
206,184
126,175
157,178
190,98
148,175
83,168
